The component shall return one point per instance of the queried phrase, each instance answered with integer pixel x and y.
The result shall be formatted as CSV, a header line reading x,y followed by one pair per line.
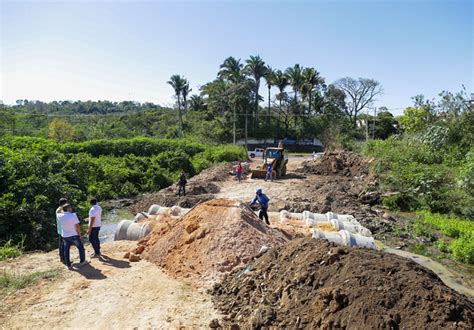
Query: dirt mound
x,y
315,284
213,238
199,188
337,163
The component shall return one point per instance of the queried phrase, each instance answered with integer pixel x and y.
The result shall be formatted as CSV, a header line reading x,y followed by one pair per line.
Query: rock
x,y
214,324
134,257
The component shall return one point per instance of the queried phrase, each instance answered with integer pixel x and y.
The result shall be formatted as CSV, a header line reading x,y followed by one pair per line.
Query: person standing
x,y
263,200
269,174
238,172
62,202
95,221
71,233
182,184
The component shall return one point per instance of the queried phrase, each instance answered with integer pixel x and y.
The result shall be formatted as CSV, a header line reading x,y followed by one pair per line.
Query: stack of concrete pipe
x,y
348,230
338,221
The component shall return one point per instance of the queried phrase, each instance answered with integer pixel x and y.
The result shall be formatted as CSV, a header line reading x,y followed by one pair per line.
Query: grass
x,y
10,282
10,250
460,232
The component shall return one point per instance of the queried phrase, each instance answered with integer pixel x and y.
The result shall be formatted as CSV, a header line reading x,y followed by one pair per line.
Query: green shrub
x,y
9,250
462,247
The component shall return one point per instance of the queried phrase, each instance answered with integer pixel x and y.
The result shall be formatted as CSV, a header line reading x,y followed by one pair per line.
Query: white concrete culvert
x,y
344,237
131,231
347,230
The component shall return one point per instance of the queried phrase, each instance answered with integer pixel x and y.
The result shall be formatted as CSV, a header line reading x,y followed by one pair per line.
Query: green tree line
x,y
36,172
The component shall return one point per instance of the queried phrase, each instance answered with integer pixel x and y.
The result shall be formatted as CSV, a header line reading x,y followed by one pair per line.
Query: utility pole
x,y
373,128
234,124
246,125
367,125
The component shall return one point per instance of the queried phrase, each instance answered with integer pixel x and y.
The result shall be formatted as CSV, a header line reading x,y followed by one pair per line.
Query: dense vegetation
x,y
298,104
36,172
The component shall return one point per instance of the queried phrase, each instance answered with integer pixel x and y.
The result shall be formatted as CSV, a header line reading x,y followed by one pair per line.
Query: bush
x,y
36,172
462,231
10,250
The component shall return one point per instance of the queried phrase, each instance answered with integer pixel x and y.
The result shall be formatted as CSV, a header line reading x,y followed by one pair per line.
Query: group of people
x,y
239,170
69,231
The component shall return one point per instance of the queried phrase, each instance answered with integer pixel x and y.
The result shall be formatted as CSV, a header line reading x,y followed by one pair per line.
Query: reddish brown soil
x,y
315,284
213,238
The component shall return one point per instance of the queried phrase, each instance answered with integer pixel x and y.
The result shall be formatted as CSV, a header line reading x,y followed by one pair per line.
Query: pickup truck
x,y
258,152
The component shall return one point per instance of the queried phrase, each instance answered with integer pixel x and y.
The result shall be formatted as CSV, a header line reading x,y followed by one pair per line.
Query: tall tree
x,y
230,70
185,92
269,78
360,93
196,103
295,78
178,82
280,81
311,79
255,67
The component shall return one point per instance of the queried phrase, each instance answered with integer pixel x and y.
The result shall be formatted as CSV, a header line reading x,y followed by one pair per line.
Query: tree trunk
x,y
246,124
309,105
257,87
180,117
234,124
268,114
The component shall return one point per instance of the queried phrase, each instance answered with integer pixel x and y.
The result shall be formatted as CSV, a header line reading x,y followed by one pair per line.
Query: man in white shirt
x,y
95,221
71,233
62,202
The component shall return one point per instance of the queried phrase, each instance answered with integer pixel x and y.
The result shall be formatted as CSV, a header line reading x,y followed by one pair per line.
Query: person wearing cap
x,y
95,221
263,200
62,202
71,234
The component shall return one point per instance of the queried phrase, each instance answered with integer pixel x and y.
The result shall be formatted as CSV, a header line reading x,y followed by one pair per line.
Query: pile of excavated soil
x,y
199,189
337,163
213,238
312,283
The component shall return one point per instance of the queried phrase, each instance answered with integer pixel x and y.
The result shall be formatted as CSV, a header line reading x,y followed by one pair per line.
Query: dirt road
x,y
108,293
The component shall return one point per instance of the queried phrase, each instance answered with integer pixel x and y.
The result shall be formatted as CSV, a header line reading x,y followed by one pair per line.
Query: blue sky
x,y
128,50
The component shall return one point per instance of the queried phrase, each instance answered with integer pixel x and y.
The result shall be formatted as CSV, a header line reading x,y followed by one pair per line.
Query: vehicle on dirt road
x,y
258,152
278,157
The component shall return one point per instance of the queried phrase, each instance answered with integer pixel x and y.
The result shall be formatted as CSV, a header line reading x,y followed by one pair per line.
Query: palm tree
x,y
178,82
295,78
281,81
230,70
196,103
311,79
255,67
185,92
269,78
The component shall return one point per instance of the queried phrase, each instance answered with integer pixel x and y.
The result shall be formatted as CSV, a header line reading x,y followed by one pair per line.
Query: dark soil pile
x,y
337,163
315,284
213,238
199,189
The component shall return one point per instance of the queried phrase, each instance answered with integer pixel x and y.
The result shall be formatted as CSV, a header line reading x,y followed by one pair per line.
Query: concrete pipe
x,y
153,210
285,216
121,230
353,227
131,231
342,217
141,216
178,211
344,237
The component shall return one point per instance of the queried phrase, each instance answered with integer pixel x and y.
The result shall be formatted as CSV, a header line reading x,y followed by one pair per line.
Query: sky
x,y
127,50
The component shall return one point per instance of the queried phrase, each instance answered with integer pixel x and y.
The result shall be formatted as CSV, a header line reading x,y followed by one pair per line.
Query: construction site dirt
x,y
314,284
215,266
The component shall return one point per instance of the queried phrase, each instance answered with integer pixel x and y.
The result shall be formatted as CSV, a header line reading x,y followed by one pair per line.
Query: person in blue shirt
x,y
269,174
263,200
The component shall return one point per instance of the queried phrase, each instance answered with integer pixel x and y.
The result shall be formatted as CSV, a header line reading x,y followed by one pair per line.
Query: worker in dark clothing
x,y
263,200
182,184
